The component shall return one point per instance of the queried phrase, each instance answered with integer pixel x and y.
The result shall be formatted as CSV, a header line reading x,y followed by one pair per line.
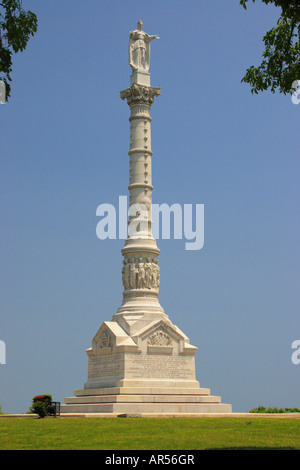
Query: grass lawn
x,y
149,433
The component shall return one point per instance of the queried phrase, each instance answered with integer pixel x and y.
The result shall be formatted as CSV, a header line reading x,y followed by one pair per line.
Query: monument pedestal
x,y
150,372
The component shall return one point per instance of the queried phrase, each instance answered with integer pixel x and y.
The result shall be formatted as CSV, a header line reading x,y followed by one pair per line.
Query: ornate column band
x,y
140,273
139,94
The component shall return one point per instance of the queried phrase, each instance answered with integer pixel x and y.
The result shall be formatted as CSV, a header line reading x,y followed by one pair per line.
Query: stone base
x,y
145,400
145,367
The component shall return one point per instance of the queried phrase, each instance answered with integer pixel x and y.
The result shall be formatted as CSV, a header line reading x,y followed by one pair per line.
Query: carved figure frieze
x,y
140,273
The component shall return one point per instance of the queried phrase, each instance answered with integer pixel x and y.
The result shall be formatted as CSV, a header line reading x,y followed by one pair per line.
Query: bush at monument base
x,y
40,404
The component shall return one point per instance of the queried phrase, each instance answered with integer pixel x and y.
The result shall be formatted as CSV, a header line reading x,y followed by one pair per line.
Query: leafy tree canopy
x,y
280,66
16,27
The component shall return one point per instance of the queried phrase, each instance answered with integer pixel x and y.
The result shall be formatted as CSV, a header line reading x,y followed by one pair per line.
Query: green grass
x,y
149,433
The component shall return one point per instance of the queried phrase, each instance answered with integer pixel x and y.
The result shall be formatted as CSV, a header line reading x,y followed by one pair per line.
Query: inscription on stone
x,y
105,366
149,366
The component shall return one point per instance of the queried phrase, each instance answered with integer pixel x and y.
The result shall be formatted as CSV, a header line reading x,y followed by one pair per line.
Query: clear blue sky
x,y
64,144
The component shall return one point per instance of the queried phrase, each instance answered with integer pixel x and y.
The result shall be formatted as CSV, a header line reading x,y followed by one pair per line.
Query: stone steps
x,y
142,399
135,407
142,391
151,400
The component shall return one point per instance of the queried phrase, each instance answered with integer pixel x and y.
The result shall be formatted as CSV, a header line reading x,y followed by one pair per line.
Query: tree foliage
x,y
16,27
280,66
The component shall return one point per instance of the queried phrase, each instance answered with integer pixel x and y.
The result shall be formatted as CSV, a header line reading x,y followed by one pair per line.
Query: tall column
x,y
140,272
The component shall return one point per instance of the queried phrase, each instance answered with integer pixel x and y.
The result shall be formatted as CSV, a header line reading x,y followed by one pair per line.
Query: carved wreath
x,y
159,338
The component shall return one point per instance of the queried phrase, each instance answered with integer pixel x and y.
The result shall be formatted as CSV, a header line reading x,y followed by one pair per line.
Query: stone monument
x,y
140,362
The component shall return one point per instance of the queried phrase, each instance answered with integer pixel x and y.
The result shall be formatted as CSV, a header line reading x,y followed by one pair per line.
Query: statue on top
x,y
139,49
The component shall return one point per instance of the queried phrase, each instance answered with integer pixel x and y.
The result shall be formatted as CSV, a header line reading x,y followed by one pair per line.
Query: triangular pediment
x,y
111,335
160,333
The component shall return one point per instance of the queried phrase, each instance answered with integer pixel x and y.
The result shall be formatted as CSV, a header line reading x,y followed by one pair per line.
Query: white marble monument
x,y
140,362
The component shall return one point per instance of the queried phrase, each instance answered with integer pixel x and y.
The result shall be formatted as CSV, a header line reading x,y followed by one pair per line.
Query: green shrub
x,y
40,409
47,399
40,404
263,409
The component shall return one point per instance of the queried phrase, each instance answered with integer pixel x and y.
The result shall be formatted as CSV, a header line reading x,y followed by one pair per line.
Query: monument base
x,y
145,400
151,371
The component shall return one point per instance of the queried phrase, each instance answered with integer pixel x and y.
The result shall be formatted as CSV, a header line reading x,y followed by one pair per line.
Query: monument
x,y
140,362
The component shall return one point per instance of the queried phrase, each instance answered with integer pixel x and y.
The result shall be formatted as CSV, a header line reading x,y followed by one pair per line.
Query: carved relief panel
x,y
140,273
159,338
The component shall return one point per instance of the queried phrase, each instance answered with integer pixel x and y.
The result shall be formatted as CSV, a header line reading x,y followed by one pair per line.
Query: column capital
x,y
139,94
